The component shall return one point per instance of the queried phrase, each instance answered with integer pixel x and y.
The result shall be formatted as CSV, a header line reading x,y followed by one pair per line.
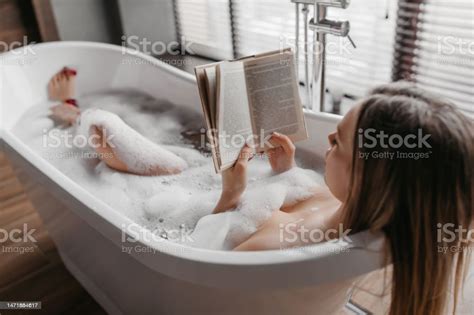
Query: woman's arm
x,y
234,182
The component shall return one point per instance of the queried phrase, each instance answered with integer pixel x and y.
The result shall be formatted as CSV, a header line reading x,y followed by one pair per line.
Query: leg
x,y
105,151
160,165
154,159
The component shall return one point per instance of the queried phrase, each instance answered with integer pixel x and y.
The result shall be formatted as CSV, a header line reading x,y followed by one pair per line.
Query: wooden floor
x,y
39,275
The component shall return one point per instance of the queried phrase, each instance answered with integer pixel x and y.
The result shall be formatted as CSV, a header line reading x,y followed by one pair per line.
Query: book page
x,y
210,73
274,99
202,87
233,116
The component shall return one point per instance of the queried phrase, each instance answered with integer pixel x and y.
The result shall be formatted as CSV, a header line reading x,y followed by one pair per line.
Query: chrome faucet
x,y
321,26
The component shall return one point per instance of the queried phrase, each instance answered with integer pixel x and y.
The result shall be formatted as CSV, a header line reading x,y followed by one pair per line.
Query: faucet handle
x,y
337,28
352,42
342,4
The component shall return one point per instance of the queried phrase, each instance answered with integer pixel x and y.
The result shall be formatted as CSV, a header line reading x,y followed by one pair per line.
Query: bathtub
x,y
158,276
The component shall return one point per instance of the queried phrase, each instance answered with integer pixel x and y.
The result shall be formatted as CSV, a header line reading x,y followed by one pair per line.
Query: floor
x,y
39,274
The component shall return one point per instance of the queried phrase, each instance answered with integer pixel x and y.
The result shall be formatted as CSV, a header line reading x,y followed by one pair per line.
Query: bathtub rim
x,y
117,219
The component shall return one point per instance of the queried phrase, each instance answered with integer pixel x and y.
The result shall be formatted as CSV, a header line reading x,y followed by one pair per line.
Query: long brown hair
x,y
413,194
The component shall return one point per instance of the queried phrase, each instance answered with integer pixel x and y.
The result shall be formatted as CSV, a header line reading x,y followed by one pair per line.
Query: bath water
x,y
165,204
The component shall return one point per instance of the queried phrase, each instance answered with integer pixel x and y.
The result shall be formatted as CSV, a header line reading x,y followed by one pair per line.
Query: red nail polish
x,y
72,102
69,71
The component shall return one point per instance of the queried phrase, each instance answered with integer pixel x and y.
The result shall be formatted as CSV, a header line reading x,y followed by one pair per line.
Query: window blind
x,y
270,24
373,25
205,27
435,48
266,25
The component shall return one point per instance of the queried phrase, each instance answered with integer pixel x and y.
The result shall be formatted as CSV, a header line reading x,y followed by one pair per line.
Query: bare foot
x,y
62,85
108,155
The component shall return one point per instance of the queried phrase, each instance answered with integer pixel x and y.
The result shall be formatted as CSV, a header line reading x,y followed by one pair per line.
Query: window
x,y
205,24
270,24
355,71
435,48
265,25
427,41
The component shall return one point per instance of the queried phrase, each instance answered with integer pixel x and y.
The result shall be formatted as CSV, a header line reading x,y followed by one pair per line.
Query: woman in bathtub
x,y
409,199
411,193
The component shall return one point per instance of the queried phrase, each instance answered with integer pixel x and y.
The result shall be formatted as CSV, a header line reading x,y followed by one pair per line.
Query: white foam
x,y
163,204
137,152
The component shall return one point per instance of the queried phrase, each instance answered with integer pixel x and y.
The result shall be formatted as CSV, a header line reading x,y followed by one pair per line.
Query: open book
x,y
246,100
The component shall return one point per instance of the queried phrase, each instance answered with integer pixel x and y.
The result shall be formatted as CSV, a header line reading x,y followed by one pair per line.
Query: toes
x,y
53,80
61,86
64,74
69,72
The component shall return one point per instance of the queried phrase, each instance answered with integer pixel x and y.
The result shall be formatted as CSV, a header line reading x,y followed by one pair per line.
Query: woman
x,y
410,193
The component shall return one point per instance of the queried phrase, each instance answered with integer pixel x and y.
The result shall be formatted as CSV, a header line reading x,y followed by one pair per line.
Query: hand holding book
x,y
249,99
234,179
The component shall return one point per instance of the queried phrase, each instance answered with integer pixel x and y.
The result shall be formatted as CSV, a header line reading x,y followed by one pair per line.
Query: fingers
x,y
284,141
244,156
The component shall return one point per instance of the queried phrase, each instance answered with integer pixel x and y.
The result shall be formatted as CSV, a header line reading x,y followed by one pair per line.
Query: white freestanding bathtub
x,y
161,277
